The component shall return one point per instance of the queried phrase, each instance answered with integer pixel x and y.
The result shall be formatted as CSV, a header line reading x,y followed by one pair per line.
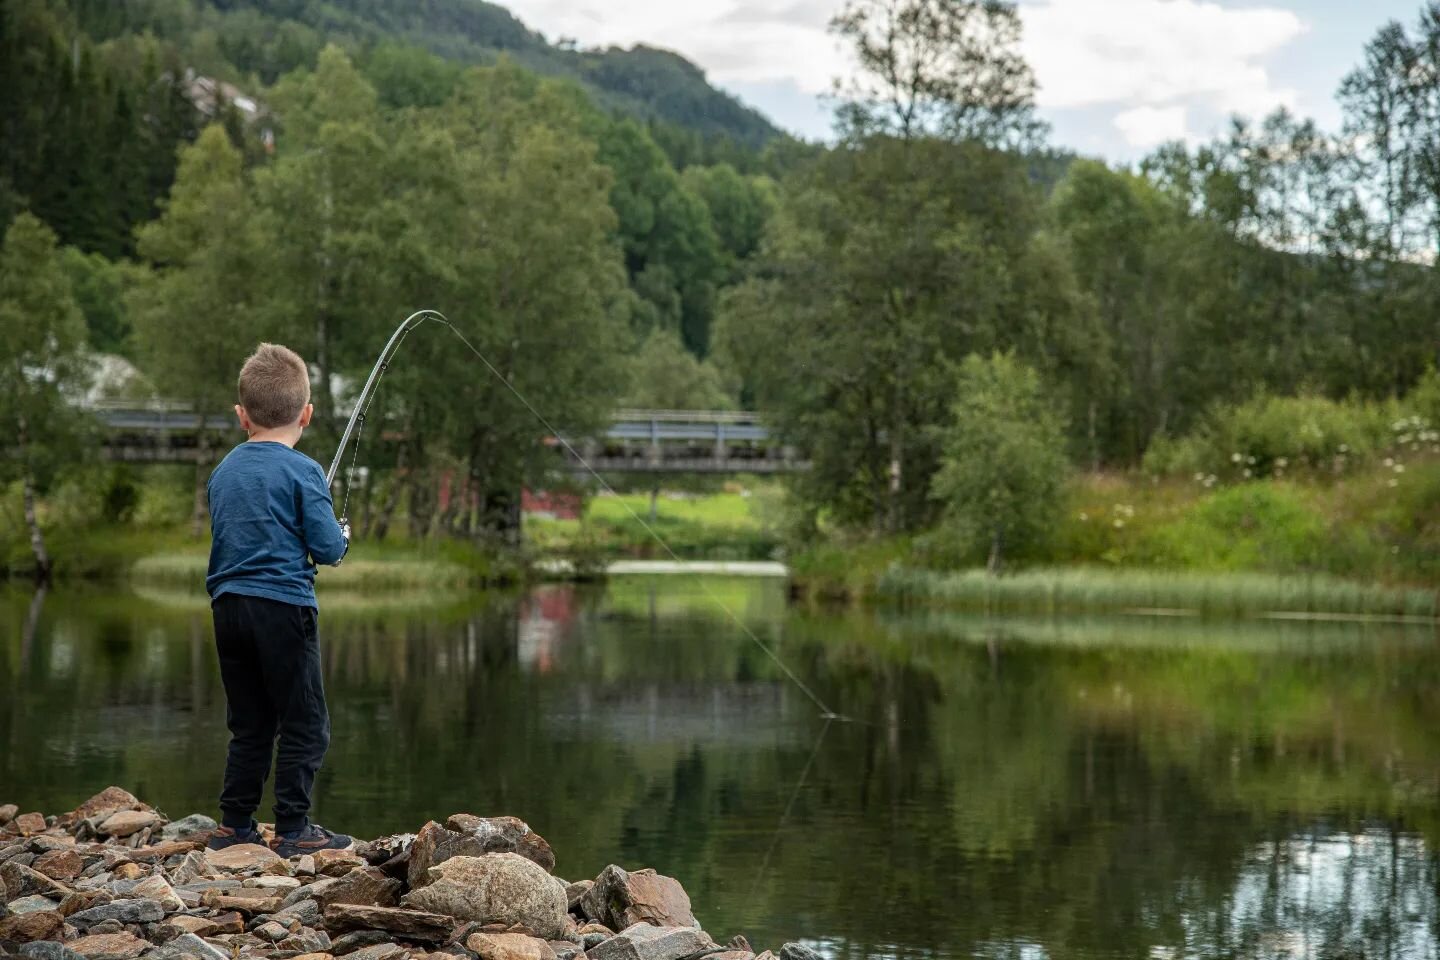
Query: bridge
x,y
637,441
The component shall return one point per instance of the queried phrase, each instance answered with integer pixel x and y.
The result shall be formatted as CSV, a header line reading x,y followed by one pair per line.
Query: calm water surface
x,y
1027,789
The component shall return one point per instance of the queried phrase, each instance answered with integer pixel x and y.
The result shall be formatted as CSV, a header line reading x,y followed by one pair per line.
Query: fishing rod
x,y
362,402
367,396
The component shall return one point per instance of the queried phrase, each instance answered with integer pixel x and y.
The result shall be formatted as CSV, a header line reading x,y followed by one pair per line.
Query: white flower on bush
x,y
1236,458
1389,461
1246,473
1399,468
1282,462
1392,482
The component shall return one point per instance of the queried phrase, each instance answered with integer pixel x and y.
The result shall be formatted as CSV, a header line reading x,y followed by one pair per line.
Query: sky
x,y
1117,77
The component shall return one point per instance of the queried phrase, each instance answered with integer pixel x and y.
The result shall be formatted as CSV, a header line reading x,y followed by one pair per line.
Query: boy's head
x,y
275,388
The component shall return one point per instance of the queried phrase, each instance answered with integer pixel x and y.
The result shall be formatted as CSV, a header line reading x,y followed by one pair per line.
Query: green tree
x,y
664,375
197,311
883,267
1003,464
671,251
739,207
948,68
43,372
326,196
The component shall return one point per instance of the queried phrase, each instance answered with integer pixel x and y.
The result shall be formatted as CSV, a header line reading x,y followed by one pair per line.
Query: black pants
x,y
270,665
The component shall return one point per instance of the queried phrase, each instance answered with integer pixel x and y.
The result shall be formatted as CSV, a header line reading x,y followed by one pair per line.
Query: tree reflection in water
x,y
1103,788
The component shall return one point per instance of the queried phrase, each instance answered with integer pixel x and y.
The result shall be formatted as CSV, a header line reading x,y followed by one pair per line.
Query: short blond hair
x,y
274,386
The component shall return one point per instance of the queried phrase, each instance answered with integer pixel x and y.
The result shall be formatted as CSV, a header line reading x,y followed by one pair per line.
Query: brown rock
x,y
434,845
336,863
199,926
406,924
509,946
123,823
243,857
103,804
28,927
505,835
109,946
21,881
246,905
595,928
82,900
29,824
162,851
496,888
621,899
366,886
130,871
228,923
8,812
59,864
313,956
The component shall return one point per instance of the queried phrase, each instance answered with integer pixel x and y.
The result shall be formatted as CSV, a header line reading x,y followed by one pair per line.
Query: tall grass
x,y
1089,589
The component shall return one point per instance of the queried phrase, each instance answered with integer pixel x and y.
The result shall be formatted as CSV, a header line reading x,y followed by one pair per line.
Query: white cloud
x,y
739,41
1156,53
1148,127
1139,67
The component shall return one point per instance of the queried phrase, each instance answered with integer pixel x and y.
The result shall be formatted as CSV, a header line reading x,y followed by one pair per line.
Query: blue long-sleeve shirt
x,y
271,521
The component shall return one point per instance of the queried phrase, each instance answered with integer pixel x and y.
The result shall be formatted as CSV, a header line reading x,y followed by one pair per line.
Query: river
x,y
1020,788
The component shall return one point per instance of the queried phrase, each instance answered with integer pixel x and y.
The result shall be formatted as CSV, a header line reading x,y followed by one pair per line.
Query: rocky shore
x,y
114,879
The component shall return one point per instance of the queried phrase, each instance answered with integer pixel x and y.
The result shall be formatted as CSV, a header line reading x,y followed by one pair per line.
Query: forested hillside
x,y
267,38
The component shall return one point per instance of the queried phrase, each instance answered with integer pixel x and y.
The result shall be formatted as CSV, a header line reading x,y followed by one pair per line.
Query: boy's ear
x,y
244,418
306,414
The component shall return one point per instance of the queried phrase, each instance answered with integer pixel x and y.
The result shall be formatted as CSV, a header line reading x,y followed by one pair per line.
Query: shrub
x,y
1274,436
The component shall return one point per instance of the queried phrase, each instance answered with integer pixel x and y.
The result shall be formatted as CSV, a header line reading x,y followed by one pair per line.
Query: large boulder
x,y
496,888
647,942
187,827
505,835
621,899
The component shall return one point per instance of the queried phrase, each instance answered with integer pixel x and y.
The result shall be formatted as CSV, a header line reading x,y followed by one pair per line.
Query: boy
x,y
272,520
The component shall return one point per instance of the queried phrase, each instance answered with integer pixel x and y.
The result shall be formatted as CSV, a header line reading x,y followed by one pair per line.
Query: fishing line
x,y
367,396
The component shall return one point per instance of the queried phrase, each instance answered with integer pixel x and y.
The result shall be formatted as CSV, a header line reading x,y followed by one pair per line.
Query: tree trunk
x,y
37,539
392,496
997,542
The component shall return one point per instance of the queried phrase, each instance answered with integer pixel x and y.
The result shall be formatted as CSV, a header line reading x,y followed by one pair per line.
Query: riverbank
x,y
114,878
1367,543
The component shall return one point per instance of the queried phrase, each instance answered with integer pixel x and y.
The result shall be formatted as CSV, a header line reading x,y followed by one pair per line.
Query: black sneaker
x,y
309,840
223,837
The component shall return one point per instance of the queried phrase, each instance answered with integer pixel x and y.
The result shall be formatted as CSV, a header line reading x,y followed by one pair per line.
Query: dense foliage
x,y
221,172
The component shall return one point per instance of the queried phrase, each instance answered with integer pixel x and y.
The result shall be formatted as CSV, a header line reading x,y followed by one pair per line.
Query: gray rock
x,y
358,940
187,827
308,892
798,951
190,945
593,940
31,904
496,888
306,911
381,951
48,950
646,942
190,869
105,927
272,931
122,911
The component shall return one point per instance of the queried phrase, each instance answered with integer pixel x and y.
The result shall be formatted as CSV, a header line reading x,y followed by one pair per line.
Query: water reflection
x,y
1086,788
